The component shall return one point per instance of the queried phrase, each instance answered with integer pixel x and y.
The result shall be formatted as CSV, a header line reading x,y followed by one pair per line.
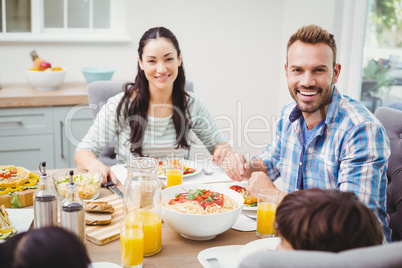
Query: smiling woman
x,y
154,116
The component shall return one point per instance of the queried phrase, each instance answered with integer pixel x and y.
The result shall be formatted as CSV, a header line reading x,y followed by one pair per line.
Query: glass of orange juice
x,y
266,209
174,170
152,232
132,240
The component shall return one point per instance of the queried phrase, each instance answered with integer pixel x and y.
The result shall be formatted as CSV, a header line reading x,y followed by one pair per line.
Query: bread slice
x,y
96,218
98,206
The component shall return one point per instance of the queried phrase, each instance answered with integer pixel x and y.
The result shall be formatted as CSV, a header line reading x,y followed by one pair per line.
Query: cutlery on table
x,y
112,187
214,262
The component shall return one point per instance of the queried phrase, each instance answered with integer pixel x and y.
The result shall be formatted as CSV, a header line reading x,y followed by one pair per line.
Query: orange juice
x,y
174,177
266,219
132,245
152,232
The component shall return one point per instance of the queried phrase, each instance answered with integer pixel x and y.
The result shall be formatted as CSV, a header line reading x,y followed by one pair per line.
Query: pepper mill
x,y
45,201
72,214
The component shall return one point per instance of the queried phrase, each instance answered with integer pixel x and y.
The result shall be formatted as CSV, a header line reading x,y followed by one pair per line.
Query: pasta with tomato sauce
x,y
201,202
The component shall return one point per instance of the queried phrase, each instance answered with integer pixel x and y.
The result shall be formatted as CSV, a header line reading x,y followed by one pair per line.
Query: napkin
x,y
226,256
245,224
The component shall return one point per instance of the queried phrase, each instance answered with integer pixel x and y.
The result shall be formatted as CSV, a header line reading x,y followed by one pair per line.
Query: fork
x,y
207,172
248,216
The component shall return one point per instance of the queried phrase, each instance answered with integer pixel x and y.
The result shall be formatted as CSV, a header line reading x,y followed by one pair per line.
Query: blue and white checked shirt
x,y
349,152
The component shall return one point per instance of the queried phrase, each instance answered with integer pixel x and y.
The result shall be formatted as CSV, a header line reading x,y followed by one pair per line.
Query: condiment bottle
x,y
45,201
142,196
72,214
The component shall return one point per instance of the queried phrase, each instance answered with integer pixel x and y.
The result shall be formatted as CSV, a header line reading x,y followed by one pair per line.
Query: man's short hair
x,y
327,220
313,34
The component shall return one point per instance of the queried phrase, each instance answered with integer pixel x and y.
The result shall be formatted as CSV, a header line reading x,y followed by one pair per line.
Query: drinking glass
x,y
132,240
174,170
266,209
142,196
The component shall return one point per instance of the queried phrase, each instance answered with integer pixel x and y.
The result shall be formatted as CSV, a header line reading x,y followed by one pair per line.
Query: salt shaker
x,y
45,201
72,214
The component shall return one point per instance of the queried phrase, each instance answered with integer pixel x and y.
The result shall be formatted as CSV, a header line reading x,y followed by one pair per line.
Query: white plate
x,y
242,184
226,256
189,164
104,265
260,245
121,171
21,219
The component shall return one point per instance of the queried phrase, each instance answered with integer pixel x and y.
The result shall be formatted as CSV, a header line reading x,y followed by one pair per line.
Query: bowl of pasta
x,y
200,211
89,183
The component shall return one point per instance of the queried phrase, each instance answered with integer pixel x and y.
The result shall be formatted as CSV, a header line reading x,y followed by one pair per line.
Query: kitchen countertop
x,y
24,95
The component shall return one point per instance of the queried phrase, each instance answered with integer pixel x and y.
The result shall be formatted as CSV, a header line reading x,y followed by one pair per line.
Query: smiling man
x,y
324,139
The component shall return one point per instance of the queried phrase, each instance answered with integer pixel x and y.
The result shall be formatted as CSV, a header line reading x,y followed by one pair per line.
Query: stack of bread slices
x,y
98,212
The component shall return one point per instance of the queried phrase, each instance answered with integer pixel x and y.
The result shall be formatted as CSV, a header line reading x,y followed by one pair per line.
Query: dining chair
x,y
391,119
384,256
98,94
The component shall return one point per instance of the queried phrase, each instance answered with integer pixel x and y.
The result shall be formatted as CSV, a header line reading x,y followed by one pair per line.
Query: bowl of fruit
x,y
42,76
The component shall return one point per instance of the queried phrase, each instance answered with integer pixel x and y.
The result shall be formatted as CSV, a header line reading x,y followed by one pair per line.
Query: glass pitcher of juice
x,y
142,196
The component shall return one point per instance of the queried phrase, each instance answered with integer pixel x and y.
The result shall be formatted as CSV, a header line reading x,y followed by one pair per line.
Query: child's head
x,y
326,220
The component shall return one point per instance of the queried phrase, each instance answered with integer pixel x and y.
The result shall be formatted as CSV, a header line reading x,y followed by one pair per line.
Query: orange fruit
x,y
57,68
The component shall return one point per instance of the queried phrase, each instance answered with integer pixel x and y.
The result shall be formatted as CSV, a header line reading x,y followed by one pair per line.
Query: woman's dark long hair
x,y
136,114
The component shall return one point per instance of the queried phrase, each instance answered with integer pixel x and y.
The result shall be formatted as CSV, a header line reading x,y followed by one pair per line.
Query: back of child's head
x,y
47,247
327,220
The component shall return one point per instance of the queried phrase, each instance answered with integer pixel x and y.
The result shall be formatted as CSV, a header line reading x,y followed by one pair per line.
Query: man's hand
x,y
235,166
260,180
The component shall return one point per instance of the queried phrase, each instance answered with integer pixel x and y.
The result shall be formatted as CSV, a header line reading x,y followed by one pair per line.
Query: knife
x,y
112,187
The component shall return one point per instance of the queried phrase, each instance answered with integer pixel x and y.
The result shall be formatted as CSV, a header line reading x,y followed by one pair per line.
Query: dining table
x,y
176,251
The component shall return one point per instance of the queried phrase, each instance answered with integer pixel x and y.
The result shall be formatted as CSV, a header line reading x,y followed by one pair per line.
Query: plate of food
x,y
260,245
189,169
17,185
250,202
14,221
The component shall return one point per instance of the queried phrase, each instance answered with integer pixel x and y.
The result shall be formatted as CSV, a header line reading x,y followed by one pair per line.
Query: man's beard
x,y
314,107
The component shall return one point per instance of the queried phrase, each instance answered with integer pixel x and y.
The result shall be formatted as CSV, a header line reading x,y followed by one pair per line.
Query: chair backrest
x,y
100,91
98,94
391,119
388,255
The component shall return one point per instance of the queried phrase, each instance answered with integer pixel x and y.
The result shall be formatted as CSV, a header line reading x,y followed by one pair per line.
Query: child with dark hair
x,y
46,247
326,220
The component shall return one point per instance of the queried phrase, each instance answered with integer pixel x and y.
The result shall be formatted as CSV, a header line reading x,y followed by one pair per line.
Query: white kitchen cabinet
x,y
71,123
31,135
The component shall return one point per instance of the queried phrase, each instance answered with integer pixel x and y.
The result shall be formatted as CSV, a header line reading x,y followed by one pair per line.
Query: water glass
x,y
174,170
266,209
132,240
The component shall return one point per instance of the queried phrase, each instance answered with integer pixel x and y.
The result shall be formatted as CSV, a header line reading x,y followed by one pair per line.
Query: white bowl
x,y
195,226
45,81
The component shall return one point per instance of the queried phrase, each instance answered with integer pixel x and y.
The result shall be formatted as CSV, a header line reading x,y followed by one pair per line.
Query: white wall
x,y
233,51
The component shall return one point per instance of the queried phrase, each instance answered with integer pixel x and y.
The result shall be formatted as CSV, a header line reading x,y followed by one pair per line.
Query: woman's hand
x,y
86,159
105,171
221,151
235,166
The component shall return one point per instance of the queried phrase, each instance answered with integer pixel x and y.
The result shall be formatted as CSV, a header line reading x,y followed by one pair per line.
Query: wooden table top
x,y
25,95
177,251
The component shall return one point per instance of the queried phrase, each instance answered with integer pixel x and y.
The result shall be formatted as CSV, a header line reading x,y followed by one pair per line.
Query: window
x,y
382,56
62,20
